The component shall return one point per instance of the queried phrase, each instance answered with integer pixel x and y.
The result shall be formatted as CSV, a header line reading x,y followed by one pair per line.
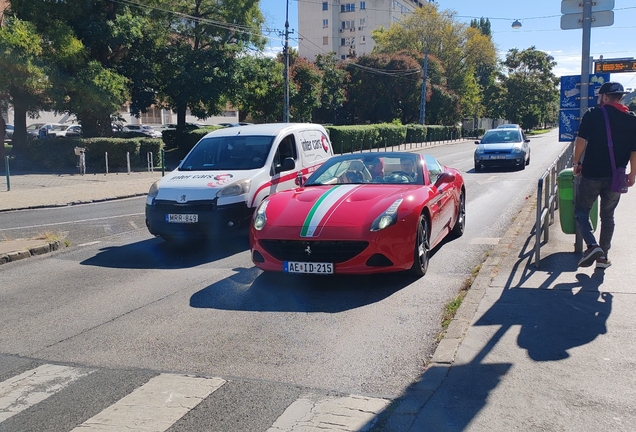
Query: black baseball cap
x,y
612,88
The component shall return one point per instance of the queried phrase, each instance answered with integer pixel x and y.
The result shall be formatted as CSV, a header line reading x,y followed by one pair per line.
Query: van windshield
x,y
228,153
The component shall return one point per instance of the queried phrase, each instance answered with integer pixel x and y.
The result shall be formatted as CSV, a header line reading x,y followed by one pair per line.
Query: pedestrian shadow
x,y
552,317
158,254
250,289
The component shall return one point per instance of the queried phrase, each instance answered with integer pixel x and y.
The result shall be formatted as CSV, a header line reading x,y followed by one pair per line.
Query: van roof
x,y
272,129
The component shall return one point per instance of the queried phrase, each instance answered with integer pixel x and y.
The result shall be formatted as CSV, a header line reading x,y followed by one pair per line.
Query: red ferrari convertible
x,y
361,213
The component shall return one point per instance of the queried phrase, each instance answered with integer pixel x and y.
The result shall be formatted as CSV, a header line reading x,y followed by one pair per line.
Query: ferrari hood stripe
x,y
328,201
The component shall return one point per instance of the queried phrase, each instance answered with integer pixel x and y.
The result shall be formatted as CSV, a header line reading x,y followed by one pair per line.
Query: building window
x,y
363,22
343,57
363,5
325,6
342,41
325,23
325,40
348,7
347,24
363,39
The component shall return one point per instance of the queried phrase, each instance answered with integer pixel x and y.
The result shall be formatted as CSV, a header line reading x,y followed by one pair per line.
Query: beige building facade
x,y
344,26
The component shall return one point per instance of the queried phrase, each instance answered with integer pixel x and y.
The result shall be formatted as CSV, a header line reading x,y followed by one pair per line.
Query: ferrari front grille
x,y
313,251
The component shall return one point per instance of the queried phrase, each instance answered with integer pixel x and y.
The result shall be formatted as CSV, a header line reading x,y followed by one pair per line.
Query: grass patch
x,y
50,237
538,131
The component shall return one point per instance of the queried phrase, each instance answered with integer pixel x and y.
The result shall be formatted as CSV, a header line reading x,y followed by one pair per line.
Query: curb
x,y
33,251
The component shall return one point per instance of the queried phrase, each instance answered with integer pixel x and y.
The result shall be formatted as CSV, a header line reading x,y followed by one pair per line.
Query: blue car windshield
x,y
228,153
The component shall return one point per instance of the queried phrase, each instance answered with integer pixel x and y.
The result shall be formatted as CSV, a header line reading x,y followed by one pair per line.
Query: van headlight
x,y
259,216
238,188
387,218
154,190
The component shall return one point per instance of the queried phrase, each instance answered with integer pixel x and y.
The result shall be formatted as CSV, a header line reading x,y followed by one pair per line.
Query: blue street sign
x,y
570,102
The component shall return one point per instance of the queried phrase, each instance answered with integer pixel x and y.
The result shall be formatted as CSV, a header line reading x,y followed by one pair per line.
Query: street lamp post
x,y
424,76
286,71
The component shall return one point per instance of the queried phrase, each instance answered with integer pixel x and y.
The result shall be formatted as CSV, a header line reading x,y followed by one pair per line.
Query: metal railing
x,y
547,198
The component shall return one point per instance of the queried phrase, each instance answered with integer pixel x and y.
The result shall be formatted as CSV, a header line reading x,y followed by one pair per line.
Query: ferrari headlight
x,y
259,217
154,190
238,188
388,217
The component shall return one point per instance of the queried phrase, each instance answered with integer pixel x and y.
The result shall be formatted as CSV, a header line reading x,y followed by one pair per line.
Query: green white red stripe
x,y
324,207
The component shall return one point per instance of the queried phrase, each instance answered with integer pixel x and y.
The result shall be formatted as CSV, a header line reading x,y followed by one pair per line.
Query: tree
x,y
258,89
531,87
384,87
334,81
463,51
308,83
24,79
198,64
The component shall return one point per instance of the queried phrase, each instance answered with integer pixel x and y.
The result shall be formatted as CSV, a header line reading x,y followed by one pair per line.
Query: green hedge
x,y
59,153
347,139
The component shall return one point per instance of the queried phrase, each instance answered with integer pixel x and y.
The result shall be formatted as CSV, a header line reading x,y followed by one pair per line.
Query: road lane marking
x,y
72,222
343,414
155,406
35,385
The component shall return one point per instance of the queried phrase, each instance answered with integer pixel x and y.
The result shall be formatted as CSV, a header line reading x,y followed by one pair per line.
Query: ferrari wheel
x,y
460,223
422,248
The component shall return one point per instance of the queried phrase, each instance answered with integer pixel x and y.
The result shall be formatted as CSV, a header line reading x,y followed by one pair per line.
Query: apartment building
x,y
344,26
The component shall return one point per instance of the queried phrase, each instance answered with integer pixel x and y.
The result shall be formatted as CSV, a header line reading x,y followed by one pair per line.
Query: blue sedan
x,y
502,148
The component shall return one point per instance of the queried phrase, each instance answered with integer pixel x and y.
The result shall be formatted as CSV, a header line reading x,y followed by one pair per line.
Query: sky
x,y
540,27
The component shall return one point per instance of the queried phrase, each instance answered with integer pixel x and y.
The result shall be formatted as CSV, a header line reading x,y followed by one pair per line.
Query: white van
x,y
216,187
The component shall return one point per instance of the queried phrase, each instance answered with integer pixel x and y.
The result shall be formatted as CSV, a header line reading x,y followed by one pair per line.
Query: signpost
x,y
571,100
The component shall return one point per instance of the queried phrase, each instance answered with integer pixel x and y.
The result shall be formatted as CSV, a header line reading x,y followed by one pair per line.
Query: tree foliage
x,y
529,87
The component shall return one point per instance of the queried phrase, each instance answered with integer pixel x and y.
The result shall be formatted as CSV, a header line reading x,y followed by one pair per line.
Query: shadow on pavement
x,y
252,290
158,254
552,317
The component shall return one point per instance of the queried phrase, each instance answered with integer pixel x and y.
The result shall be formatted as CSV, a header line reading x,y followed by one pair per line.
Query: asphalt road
x,y
120,300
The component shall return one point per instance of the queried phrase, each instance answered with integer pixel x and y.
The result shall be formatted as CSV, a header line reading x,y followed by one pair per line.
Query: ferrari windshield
x,y
361,168
228,153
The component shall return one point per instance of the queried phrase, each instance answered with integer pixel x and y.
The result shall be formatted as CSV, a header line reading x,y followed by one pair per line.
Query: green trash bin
x,y
565,184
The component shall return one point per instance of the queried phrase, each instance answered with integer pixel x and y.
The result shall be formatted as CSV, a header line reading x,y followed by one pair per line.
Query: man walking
x,y
596,168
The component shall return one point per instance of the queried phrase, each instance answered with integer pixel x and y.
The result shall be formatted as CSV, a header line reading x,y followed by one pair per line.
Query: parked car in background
x,y
74,131
502,147
37,130
144,129
8,132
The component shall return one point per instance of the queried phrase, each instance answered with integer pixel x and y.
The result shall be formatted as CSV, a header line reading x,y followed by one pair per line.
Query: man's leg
x,y
587,192
609,201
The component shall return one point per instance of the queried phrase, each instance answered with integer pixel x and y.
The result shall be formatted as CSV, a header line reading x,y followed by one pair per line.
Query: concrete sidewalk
x,y
535,349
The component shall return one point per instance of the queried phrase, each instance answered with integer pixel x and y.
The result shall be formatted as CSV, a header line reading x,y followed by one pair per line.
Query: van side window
x,y
286,148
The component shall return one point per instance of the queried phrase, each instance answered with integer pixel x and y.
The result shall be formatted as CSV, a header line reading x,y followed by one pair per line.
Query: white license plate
x,y
182,218
307,267
497,157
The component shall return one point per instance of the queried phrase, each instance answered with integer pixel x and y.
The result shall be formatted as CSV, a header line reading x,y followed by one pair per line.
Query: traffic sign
x,y
615,65
569,121
575,20
576,6
570,102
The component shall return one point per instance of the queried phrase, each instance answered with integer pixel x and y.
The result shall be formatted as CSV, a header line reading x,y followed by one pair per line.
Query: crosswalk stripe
x,y
34,386
319,413
155,406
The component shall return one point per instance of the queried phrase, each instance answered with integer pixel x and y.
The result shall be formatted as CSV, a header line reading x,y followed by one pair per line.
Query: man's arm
x,y
631,178
579,148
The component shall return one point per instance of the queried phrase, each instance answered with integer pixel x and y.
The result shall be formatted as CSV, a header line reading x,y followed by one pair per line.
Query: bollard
x,y
163,162
106,160
128,162
6,168
150,162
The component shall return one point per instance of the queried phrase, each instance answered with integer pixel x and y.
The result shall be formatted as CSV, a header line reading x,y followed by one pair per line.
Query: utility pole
x,y
286,70
423,98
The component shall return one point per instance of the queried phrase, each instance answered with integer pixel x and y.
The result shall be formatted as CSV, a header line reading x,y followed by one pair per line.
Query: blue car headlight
x,y
388,217
516,150
479,151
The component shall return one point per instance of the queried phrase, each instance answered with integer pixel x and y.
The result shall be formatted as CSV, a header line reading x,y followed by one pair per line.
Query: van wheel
x,y
422,248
